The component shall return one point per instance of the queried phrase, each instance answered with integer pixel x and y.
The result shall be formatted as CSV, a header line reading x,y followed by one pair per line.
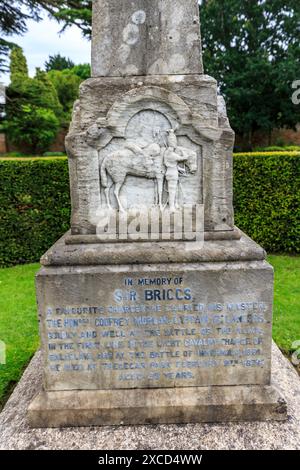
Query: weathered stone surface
x,y
87,252
147,236
142,37
98,95
157,406
155,326
271,435
116,117
184,327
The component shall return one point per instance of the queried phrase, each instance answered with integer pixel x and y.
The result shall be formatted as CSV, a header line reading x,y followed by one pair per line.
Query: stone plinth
x,y
157,406
156,343
15,433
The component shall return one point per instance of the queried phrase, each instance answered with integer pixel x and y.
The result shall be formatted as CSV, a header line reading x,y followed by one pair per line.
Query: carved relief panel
x,y
149,151
151,166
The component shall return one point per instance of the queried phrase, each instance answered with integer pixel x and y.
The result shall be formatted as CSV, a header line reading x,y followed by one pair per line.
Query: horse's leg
x,y
160,182
107,194
118,187
156,194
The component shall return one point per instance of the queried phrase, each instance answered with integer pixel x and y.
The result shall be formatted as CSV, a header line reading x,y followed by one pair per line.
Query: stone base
x,y
157,406
158,342
15,434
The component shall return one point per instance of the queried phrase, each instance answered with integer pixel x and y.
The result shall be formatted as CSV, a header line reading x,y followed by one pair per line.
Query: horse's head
x,y
192,162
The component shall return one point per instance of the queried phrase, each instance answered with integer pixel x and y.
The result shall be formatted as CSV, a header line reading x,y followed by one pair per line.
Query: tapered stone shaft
x,y
146,37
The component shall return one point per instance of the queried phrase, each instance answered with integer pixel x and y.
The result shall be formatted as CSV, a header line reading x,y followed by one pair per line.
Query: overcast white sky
x,y
42,40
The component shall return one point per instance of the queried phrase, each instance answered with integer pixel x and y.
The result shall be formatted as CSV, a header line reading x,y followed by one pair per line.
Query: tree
x,y
32,102
43,93
82,70
33,111
34,127
15,13
58,62
38,91
75,12
18,67
18,81
253,49
66,84
5,47
13,17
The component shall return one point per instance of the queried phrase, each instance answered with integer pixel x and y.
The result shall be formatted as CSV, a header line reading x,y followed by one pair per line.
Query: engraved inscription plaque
x,y
169,328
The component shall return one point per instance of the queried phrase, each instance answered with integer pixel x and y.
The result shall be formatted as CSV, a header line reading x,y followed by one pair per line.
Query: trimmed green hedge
x,y
34,207
35,204
267,200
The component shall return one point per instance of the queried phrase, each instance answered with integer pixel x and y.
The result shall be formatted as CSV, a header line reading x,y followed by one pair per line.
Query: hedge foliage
x,y
267,200
34,207
276,148
281,153
35,204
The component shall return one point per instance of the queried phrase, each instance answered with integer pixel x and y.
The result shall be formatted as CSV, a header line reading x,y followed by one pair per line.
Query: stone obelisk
x,y
141,324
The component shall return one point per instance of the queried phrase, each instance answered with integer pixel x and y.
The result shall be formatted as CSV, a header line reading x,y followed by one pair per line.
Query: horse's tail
x,y
103,174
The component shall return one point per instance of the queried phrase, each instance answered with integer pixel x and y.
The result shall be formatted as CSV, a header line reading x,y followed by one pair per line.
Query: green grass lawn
x,y
18,318
18,322
286,326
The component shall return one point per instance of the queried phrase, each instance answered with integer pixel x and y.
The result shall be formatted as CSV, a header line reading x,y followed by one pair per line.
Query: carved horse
x,y
148,164
121,163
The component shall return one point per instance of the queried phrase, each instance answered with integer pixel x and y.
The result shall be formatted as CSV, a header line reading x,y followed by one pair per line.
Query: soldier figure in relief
x,y
173,155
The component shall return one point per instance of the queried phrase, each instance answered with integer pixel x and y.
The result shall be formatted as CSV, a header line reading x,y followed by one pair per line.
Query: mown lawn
x,y
19,328
18,322
286,326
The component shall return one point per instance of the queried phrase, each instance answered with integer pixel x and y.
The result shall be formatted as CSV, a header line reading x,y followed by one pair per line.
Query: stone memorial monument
x,y
154,308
